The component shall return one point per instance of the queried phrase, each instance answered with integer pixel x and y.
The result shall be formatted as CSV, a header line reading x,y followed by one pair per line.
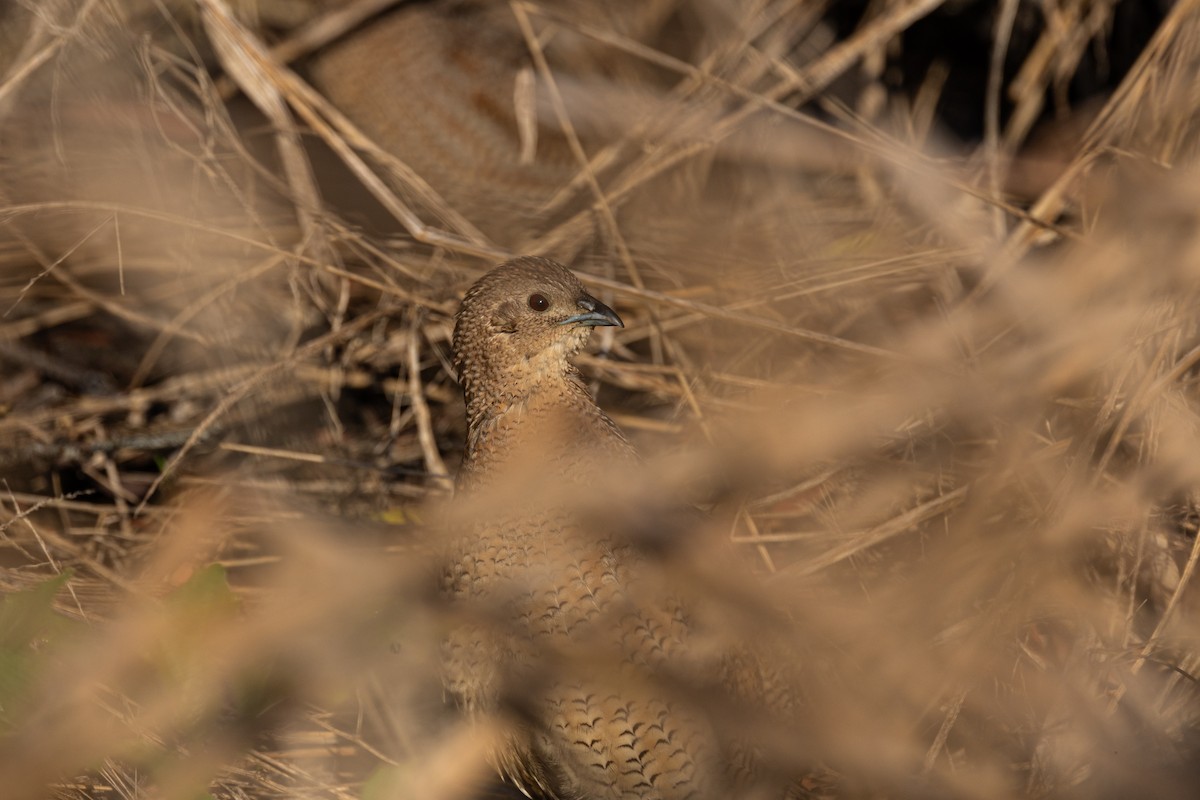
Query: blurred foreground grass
x,y
939,400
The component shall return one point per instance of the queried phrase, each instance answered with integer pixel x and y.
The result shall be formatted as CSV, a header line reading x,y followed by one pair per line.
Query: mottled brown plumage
x,y
514,364
435,84
579,635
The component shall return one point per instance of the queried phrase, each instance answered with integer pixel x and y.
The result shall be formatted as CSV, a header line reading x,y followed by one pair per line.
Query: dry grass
x,y
942,404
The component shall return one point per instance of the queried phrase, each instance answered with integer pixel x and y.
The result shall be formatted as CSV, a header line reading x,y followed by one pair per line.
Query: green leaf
x,y
382,784
207,590
27,615
27,622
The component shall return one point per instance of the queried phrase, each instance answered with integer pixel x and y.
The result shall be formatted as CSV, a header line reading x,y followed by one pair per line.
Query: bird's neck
x,y
491,397
549,423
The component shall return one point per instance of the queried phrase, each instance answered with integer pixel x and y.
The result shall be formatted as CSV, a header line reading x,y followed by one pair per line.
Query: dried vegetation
x,y
941,399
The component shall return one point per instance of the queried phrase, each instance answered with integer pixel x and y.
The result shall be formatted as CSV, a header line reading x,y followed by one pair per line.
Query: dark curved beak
x,y
593,314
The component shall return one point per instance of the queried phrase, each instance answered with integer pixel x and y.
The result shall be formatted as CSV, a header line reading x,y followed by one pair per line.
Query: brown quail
x,y
435,84
577,641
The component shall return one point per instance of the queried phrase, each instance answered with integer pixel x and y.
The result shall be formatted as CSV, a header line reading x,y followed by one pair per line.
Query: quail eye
x,y
538,302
